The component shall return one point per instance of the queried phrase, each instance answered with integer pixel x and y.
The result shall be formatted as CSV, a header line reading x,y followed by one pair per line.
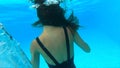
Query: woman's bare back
x,y
55,42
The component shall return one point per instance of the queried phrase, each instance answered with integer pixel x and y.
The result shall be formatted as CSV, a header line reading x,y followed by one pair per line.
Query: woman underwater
x,y
55,43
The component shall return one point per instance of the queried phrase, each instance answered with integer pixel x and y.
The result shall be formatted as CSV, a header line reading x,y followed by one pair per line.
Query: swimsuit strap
x,y
46,51
67,42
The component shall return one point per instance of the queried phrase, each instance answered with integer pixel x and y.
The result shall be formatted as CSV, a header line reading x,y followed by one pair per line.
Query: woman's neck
x,y
49,28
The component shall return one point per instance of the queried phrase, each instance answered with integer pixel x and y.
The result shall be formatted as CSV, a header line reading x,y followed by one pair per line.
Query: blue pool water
x,y
101,29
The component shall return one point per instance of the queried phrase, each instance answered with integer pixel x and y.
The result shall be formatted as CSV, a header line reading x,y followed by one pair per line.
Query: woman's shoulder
x,y
34,45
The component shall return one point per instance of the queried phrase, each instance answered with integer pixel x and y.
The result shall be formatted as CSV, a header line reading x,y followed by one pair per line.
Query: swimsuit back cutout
x,y
67,64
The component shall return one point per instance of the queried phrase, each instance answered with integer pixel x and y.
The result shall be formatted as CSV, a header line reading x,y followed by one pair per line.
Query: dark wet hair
x,y
53,15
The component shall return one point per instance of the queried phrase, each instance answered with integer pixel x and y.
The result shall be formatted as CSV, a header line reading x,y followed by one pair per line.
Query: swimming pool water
x,y
101,29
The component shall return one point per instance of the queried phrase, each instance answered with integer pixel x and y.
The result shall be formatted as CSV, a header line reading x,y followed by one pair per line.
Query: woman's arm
x,y
34,56
78,40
